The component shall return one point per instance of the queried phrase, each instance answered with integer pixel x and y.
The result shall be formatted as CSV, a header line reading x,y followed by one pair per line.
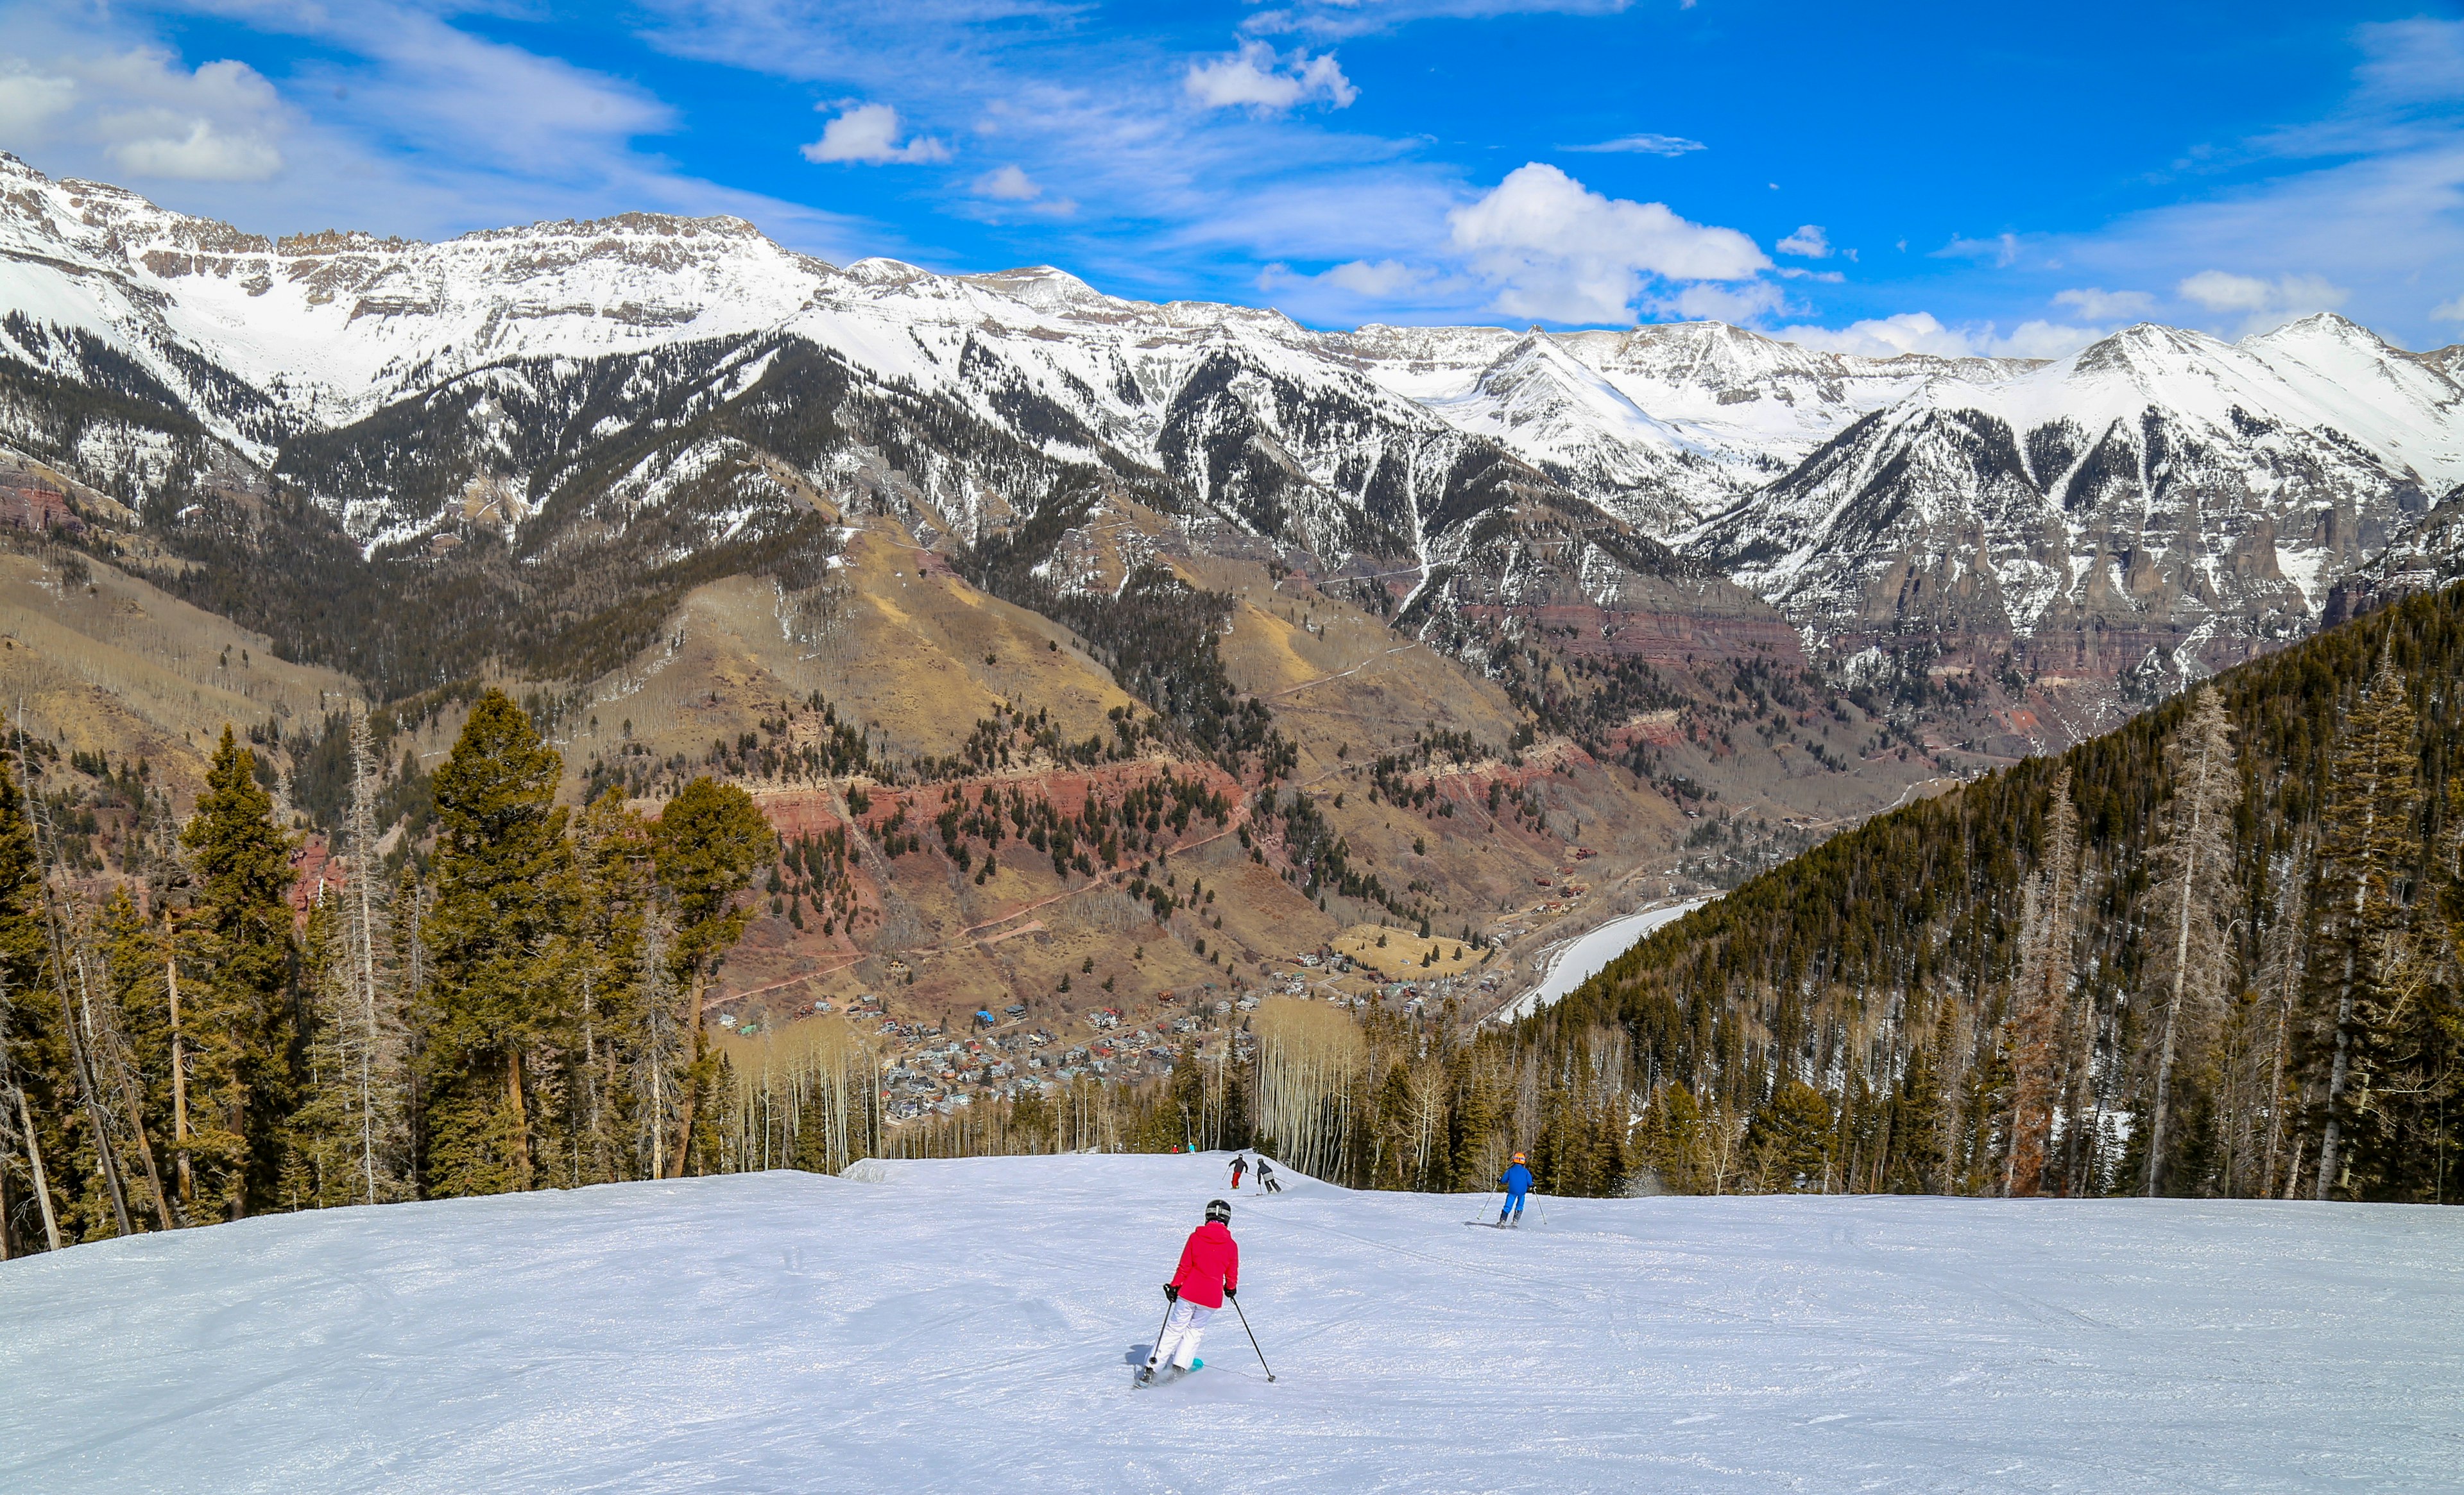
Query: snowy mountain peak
x,y
2319,327
1044,288
881,271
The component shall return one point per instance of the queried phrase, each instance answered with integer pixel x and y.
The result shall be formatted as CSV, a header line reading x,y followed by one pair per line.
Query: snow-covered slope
x,y
334,325
971,1326
1668,424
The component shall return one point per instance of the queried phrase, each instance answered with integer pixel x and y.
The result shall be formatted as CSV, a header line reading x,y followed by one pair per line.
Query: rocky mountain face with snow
x,y
495,423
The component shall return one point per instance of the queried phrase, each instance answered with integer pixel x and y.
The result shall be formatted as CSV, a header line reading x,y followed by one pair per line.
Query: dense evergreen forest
x,y
176,1050
2214,953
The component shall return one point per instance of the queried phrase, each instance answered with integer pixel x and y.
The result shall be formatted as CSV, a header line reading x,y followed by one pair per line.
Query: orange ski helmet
x,y
1518,1157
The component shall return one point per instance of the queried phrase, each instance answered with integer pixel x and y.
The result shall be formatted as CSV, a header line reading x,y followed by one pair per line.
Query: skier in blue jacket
x,y
1518,1181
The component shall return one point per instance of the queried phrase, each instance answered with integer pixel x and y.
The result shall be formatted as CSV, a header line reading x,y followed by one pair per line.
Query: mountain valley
x,y
1458,632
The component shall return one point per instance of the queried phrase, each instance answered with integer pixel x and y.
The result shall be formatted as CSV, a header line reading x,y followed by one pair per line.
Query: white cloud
x,y
1256,77
2097,304
868,135
1007,185
2222,291
1644,145
1809,242
1555,250
1885,337
2448,310
2002,251
390,119
2044,339
2413,62
30,99
146,115
204,155
1353,281
1377,280
1018,194
1922,332
1749,301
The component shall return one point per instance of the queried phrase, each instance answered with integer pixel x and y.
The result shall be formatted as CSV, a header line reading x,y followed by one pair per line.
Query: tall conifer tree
x,y
2368,842
707,843
499,998
32,1085
237,936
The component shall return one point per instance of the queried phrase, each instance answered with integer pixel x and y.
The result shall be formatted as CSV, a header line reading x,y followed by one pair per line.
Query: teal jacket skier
x,y
1518,1182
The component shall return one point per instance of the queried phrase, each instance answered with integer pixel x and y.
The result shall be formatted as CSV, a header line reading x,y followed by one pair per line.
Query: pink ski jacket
x,y
1209,1264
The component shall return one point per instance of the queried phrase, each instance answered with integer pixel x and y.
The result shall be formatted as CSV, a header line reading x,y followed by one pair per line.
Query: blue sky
x,y
1947,177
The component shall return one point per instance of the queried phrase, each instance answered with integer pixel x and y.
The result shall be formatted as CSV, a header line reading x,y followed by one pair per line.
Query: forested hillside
x,y
2211,952
522,1011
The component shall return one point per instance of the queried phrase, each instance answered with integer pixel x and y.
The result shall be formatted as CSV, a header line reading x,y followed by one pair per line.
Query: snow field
x,y
972,1326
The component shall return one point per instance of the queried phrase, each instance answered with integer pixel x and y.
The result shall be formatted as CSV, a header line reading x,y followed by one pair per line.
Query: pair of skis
x,y
1496,1225
1164,1376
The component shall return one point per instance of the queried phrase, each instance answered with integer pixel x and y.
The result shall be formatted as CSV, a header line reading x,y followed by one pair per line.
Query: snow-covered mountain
x,y
1286,426
2162,490
2158,485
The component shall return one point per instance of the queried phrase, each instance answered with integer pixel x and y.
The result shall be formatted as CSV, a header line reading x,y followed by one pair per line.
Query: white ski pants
x,y
1182,1328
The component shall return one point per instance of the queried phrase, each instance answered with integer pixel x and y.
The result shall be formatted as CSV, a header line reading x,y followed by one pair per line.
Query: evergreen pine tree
x,y
32,1082
707,844
236,937
498,1000
2367,851
612,857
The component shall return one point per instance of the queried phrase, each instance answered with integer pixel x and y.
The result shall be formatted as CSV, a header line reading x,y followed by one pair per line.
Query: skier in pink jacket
x,y
1209,1272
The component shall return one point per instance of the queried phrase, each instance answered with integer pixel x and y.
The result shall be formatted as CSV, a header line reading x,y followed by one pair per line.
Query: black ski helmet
x,y
1218,1213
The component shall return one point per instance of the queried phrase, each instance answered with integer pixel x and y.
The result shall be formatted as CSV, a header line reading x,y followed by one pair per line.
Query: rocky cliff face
x,y
2158,498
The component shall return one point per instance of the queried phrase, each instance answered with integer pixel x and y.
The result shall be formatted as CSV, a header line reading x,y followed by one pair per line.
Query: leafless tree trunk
x,y
2195,854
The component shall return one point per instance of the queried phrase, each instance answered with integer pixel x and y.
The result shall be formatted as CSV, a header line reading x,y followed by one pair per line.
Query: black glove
x,y
1231,1292
1171,1294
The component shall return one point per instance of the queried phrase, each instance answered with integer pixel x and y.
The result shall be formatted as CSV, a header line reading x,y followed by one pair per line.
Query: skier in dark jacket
x,y
1209,1272
1239,1166
1517,1179
1267,1176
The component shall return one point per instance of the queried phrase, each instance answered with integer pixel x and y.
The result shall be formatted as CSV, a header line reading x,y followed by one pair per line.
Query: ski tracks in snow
x,y
962,1325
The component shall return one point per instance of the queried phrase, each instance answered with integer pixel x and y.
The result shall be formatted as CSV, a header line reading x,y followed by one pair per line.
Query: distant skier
x,y
1209,1272
1267,1176
1518,1182
1239,1166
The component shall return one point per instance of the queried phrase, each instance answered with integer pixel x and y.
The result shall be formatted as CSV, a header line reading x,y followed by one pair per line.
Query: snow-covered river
x,y
1582,959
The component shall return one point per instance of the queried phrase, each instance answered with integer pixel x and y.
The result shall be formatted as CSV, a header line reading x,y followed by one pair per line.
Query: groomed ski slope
x,y
968,1325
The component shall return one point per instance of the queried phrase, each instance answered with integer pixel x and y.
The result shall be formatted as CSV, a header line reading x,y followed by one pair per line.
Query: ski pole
x,y
1156,1349
1253,1339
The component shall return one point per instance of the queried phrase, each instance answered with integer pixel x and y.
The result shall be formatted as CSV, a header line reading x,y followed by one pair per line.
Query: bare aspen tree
x,y
42,1180
2041,995
116,1060
2193,856
660,1041
376,1051
76,1014
2281,977
1308,1053
179,1085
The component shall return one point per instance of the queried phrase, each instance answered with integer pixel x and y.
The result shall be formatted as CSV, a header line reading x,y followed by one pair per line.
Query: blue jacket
x,y
1517,1179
